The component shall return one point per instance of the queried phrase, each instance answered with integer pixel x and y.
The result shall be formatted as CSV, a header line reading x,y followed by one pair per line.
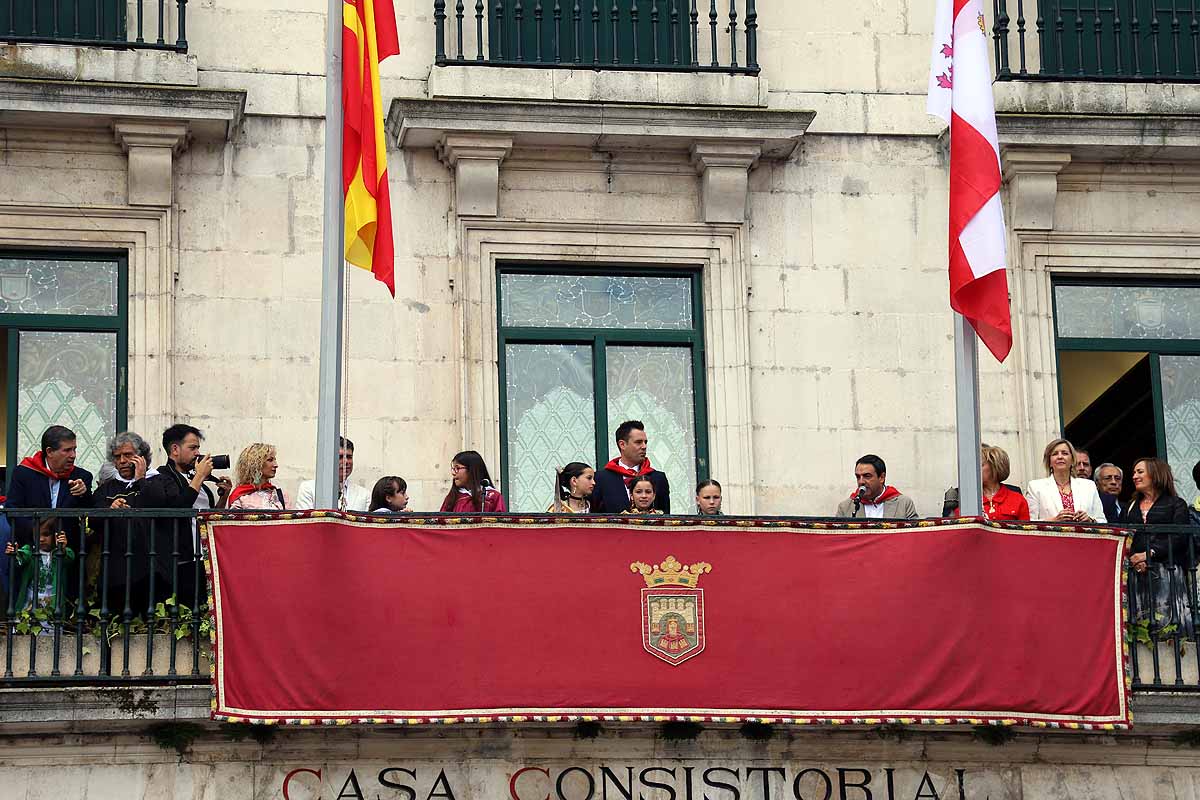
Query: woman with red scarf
x,y
256,466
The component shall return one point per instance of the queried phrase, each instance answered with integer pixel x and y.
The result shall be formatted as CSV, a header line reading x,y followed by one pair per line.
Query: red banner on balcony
x,y
327,618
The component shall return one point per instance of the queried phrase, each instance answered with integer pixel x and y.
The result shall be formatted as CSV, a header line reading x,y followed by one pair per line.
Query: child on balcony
x,y
44,574
641,497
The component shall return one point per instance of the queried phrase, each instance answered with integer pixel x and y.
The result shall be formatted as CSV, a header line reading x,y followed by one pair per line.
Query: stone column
x,y
151,148
724,168
1032,178
475,159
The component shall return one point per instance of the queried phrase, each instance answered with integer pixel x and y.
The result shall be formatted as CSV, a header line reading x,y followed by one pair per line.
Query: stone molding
x,y
146,235
424,123
1032,178
1037,257
99,64
475,160
151,148
719,250
1104,137
208,113
724,169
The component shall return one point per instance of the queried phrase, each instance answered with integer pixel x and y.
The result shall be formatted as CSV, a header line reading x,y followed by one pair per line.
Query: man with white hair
x,y
128,463
1109,478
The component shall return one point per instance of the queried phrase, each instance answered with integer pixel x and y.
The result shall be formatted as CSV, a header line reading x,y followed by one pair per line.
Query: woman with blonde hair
x,y
1062,497
256,467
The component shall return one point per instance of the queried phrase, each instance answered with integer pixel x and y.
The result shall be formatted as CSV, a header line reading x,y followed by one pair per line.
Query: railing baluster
x,y
537,31
557,32
518,18
140,15
1135,607
1120,67
653,31
199,596
162,17
595,31
1154,26
479,7
58,559
616,21
733,34
1098,29
439,31
459,7
633,16
1001,35
12,16
1195,29
578,17
1058,37
1021,35
1079,36
1190,580
54,17
34,32
10,614
694,19
674,26
1135,31
1174,574
751,35
36,554
181,41
712,25
1175,28
498,32
74,17
81,558
1040,28
175,593
127,614
105,613
99,19
152,571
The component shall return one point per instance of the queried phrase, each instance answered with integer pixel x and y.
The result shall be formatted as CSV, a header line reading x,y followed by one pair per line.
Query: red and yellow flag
x,y
368,37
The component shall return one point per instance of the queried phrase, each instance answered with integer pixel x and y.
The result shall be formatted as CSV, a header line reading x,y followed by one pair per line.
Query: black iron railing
x,y
1164,611
99,596
156,24
1113,40
662,35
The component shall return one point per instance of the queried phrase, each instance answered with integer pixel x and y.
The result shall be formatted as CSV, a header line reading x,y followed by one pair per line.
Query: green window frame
x,y
14,324
599,340
1155,348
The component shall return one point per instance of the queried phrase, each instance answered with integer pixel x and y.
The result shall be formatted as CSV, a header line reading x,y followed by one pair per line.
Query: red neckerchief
x,y
37,463
888,493
626,473
246,488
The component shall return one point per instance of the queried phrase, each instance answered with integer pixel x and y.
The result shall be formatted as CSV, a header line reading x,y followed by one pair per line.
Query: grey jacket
x,y
901,507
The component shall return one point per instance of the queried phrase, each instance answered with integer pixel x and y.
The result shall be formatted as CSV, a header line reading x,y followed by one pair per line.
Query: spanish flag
x,y
368,37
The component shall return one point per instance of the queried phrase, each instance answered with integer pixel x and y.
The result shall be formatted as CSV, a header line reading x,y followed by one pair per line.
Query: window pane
x,y
596,301
551,418
45,286
654,384
1181,415
1128,312
67,379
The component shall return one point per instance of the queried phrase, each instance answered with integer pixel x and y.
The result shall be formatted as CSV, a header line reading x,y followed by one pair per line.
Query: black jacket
x,y
31,489
611,497
169,489
1112,507
1165,511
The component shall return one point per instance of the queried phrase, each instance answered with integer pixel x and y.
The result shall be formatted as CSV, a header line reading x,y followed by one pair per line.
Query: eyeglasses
x,y
457,468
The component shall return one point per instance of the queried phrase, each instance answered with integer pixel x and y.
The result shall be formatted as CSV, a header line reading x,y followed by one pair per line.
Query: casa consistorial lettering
x,y
661,781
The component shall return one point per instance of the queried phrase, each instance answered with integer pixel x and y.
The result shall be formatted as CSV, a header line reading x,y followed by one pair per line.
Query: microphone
x,y
858,497
951,501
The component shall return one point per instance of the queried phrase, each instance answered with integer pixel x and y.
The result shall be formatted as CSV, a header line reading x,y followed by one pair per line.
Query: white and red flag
x,y
960,92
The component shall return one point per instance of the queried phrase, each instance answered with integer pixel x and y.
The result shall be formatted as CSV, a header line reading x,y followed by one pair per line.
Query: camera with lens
x,y
220,462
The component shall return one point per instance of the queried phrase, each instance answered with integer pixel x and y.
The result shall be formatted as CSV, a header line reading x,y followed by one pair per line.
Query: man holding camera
x,y
180,481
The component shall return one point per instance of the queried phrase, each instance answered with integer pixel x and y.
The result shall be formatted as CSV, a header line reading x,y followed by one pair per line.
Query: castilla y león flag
x,y
368,37
960,92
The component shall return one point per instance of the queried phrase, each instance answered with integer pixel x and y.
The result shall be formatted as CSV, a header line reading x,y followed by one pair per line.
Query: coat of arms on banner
x,y
672,609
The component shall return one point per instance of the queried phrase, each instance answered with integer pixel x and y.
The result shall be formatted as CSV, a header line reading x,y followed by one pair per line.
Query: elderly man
x,y
1109,478
129,454
50,479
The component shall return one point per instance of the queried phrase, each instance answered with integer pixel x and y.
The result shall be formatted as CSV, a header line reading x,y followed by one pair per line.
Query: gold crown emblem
x,y
671,573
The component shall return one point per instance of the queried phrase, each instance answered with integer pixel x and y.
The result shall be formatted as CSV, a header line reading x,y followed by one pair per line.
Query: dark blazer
x,y
31,489
168,489
1112,507
1165,511
611,497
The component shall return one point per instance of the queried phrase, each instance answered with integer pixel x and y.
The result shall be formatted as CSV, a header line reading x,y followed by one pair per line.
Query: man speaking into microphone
x,y
874,499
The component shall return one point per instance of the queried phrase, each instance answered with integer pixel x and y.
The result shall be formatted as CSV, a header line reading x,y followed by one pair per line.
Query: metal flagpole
x,y
966,407
332,269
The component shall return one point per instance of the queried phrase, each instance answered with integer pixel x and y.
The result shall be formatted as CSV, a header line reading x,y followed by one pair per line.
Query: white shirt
x,y
54,487
873,510
358,498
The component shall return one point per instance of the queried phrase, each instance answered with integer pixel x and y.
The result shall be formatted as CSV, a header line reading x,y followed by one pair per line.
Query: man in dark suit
x,y
611,495
50,479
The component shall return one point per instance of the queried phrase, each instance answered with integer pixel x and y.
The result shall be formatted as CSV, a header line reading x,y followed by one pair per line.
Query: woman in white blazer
x,y
1062,497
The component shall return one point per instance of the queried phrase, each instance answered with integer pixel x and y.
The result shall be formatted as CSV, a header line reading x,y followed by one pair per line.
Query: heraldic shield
x,y
672,609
